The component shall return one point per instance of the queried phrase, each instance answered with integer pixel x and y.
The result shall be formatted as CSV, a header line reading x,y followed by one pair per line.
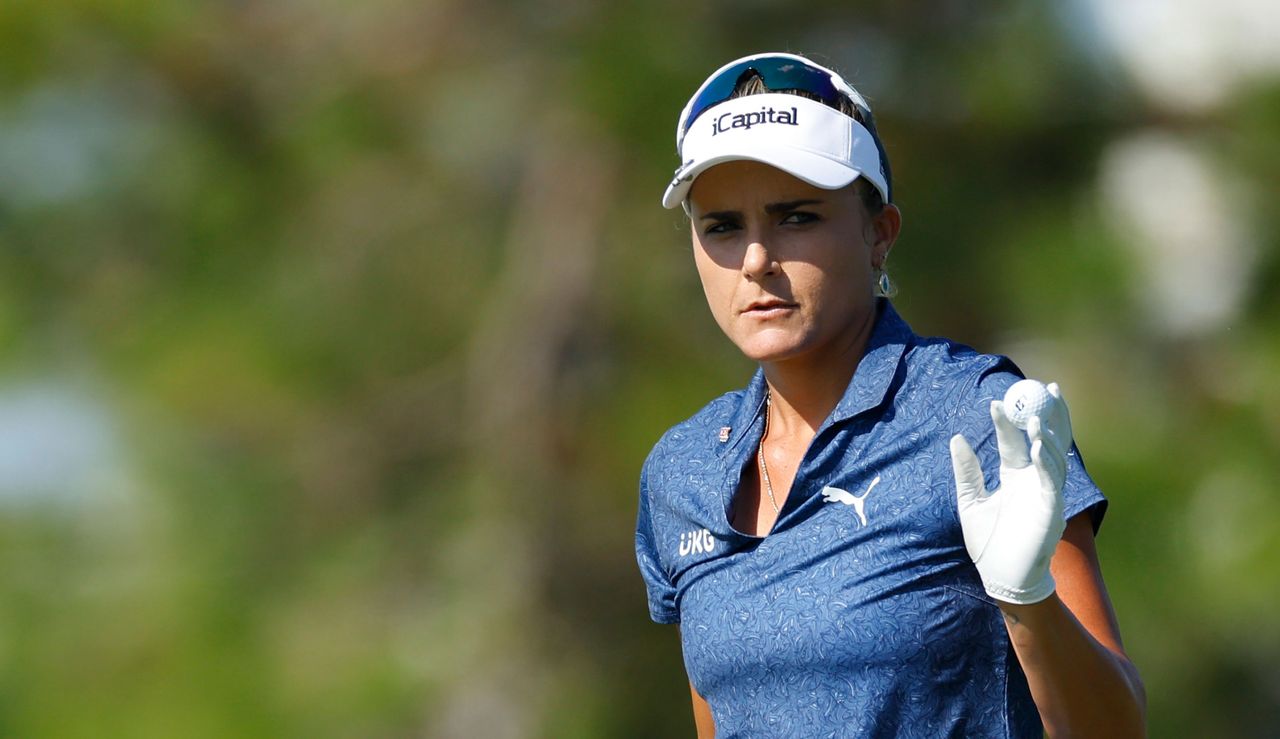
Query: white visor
x,y
804,138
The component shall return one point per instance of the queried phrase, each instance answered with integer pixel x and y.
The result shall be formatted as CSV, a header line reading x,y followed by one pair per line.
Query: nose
x,y
758,262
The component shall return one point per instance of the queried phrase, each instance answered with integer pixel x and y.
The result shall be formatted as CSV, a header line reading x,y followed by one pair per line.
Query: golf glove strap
x,y
1012,532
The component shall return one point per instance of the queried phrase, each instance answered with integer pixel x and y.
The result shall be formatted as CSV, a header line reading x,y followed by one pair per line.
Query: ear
x,y
884,229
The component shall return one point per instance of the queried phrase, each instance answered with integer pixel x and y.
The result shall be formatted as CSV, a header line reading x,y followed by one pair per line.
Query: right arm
x,y
702,715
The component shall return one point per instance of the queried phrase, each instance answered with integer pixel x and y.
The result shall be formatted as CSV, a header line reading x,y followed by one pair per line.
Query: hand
x,y
1012,531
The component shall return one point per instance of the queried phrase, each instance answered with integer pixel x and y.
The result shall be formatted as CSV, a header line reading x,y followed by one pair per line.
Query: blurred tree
x,y
333,338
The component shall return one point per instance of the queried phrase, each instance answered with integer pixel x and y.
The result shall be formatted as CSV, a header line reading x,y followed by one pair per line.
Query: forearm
x,y
1080,687
702,719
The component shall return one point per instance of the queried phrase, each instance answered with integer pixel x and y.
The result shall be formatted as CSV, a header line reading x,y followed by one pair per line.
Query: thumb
x,y
968,472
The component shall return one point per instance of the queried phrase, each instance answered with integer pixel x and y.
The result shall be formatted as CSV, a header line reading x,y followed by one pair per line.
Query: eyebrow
x,y
771,209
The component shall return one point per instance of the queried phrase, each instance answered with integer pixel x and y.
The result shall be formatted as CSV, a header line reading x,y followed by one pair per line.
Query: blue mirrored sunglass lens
x,y
777,74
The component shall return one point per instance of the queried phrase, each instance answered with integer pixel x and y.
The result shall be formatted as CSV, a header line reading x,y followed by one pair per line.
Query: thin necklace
x,y
764,469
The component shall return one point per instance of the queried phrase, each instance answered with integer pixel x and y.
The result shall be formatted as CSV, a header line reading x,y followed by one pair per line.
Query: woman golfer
x,y
860,542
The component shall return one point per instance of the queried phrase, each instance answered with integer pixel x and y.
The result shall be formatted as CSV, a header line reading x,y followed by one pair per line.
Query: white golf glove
x,y
1012,531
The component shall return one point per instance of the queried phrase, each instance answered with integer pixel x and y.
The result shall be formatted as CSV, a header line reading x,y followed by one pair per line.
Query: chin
x,y
771,349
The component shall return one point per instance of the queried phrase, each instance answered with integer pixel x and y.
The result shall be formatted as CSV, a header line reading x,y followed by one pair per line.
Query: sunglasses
x,y
782,72
777,73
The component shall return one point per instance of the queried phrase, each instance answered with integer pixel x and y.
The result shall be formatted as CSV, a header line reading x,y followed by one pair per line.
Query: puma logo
x,y
859,502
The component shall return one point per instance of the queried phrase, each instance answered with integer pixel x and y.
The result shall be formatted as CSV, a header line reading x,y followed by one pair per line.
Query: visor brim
x,y
813,168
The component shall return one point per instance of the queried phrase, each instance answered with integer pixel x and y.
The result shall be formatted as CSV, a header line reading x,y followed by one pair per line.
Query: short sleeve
x,y
1080,493
662,594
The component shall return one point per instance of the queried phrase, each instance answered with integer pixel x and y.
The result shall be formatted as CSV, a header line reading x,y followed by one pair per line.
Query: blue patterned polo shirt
x,y
861,613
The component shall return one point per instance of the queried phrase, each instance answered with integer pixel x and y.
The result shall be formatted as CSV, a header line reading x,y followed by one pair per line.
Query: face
x,y
787,267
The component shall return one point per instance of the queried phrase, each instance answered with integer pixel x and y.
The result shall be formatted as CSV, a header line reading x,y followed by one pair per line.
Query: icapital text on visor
x,y
747,120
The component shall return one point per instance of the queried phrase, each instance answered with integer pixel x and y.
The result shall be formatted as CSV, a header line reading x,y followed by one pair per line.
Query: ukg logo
x,y
696,542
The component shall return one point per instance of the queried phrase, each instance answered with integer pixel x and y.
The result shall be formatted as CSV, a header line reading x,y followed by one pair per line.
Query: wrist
x,y
1033,593
1027,614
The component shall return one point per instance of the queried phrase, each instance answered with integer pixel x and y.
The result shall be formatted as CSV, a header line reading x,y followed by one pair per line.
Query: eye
x,y
721,227
799,217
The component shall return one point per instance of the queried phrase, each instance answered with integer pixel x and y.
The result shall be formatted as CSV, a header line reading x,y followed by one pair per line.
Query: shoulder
x,y
695,438
956,375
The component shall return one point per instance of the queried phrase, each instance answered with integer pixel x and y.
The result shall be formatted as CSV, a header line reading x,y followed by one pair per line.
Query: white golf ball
x,y
1024,399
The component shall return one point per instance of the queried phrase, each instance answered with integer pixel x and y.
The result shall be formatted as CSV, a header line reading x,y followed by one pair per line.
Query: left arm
x,y
1044,574
1069,647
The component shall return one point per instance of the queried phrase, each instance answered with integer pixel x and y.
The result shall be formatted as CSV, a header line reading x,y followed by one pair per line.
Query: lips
x,y
768,306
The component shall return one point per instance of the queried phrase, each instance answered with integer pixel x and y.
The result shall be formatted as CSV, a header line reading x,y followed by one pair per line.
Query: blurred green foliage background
x,y
332,337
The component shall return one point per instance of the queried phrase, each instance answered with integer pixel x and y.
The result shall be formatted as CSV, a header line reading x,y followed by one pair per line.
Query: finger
x,y
1037,430
1009,438
1060,419
1051,469
968,472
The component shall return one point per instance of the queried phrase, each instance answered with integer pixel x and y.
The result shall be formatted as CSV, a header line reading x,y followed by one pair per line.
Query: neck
x,y
804,390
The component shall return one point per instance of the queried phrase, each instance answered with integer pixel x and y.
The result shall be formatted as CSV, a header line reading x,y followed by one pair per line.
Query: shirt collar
x,y
868,388
871,381
749,409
